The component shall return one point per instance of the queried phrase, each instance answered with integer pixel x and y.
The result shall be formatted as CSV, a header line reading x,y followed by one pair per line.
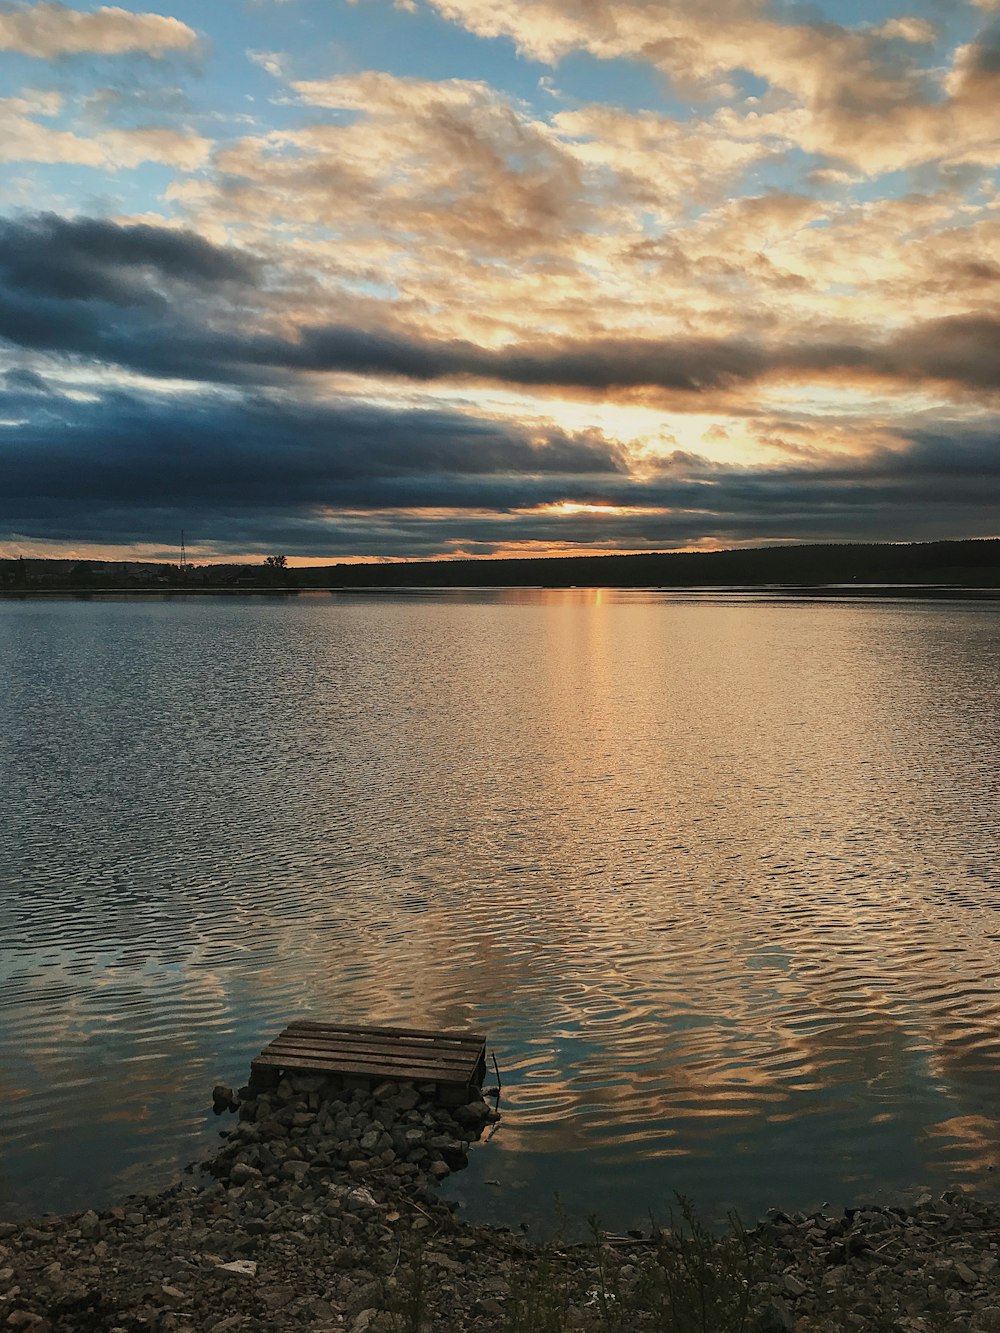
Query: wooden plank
x,y
393,1050
359,1067
449,1034
450,1059
350,1042
302,1055
386,1043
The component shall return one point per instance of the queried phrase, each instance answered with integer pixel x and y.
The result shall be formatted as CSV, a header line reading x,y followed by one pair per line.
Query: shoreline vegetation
x,y
931,569
320,1212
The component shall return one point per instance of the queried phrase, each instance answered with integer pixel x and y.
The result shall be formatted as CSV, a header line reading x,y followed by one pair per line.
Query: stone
x,y
472,1115
361,1197
242,1173
276,1298
363,1298
338,1237
775,1318
239,1268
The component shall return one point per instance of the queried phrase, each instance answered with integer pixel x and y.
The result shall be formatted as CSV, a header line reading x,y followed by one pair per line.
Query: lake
x,y
717,875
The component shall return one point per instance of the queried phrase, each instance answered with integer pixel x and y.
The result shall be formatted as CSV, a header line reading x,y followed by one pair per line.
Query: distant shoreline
x,y
780,592
964,568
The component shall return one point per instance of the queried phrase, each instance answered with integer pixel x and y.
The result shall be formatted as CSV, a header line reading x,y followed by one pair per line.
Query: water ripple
x,y
718,880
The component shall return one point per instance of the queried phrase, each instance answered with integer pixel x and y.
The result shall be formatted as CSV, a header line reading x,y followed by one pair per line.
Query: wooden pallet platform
x,y
455,1062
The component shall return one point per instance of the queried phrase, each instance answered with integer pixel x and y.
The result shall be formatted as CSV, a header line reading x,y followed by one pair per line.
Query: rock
x,y
472,1115
276,1298
775,1318
361,1197
791,1284
362,1299
222,1096
239,1268
337,1254
242,1173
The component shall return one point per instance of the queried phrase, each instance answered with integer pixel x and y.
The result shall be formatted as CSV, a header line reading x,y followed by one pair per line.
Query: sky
x,y
381,279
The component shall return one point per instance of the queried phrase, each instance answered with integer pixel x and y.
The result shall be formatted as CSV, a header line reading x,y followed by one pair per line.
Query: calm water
x,y
720,879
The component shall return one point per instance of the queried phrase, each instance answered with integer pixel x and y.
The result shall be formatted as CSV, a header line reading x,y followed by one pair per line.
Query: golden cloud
x,y
860,100
49,30
24,139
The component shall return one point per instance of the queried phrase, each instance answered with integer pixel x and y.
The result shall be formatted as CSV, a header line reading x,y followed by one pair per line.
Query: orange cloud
x,y
49,30
24,139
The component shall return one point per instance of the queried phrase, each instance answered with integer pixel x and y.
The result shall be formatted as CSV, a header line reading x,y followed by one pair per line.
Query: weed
x,y
691,1282
409,1308
539,1301
697,1282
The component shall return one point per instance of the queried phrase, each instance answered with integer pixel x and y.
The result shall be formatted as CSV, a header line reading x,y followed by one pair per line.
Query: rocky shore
x,y
320,1212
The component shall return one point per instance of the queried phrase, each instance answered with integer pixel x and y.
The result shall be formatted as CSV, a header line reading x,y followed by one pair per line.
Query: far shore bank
x,y
783,592
824,569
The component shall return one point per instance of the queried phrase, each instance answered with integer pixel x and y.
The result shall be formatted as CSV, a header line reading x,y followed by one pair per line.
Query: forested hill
x,y
965,563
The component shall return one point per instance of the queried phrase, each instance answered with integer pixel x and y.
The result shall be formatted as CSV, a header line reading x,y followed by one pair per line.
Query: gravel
x,y
320,1212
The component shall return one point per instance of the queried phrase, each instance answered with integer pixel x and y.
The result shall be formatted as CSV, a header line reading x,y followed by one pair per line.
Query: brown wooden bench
x,y
454,1062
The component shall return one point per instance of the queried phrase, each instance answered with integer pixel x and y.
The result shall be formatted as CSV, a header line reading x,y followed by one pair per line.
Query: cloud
x,y
916,30
422,151
95,259
169,303
417,196
113,468
273,62
974,78
858,95
453,197
24,139
252,472
49,30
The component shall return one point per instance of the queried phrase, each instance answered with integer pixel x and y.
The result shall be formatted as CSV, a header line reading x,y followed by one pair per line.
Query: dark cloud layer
x,y
90,259
266,472
252,460
123,295
108,468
